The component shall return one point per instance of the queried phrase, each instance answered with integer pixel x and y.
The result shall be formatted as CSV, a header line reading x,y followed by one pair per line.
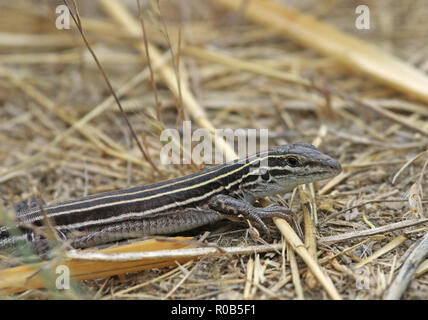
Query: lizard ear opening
x,y
265,176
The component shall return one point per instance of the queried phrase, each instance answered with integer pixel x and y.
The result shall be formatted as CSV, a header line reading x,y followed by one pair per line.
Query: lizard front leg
x,y
235,209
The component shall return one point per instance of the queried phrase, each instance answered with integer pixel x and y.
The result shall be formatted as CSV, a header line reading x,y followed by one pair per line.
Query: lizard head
x,y
284,167
300,163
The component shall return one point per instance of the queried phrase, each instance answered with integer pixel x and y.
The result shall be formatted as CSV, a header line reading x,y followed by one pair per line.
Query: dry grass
x,y
63,136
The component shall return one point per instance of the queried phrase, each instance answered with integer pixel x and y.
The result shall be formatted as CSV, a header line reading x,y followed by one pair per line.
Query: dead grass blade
x,y
386,248
245,65
76,19
295,273
18,279
310,231
385,113
152,76
401,282
120,13
371,232
422,269
300,249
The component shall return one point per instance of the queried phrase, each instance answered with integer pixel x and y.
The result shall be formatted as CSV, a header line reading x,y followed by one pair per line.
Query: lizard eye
x,y
292,161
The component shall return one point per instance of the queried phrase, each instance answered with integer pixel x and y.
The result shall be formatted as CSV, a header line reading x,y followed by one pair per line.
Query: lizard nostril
x,y
335,165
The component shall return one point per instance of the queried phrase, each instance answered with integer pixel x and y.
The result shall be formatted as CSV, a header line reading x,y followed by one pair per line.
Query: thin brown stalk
x,y
175,62
76,19
372,232
149,62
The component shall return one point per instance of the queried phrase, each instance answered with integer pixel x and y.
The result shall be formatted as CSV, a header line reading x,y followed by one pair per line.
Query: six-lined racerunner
x,y
225,191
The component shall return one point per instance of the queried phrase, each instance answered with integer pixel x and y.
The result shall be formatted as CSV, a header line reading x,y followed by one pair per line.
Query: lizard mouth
x,y
322,174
